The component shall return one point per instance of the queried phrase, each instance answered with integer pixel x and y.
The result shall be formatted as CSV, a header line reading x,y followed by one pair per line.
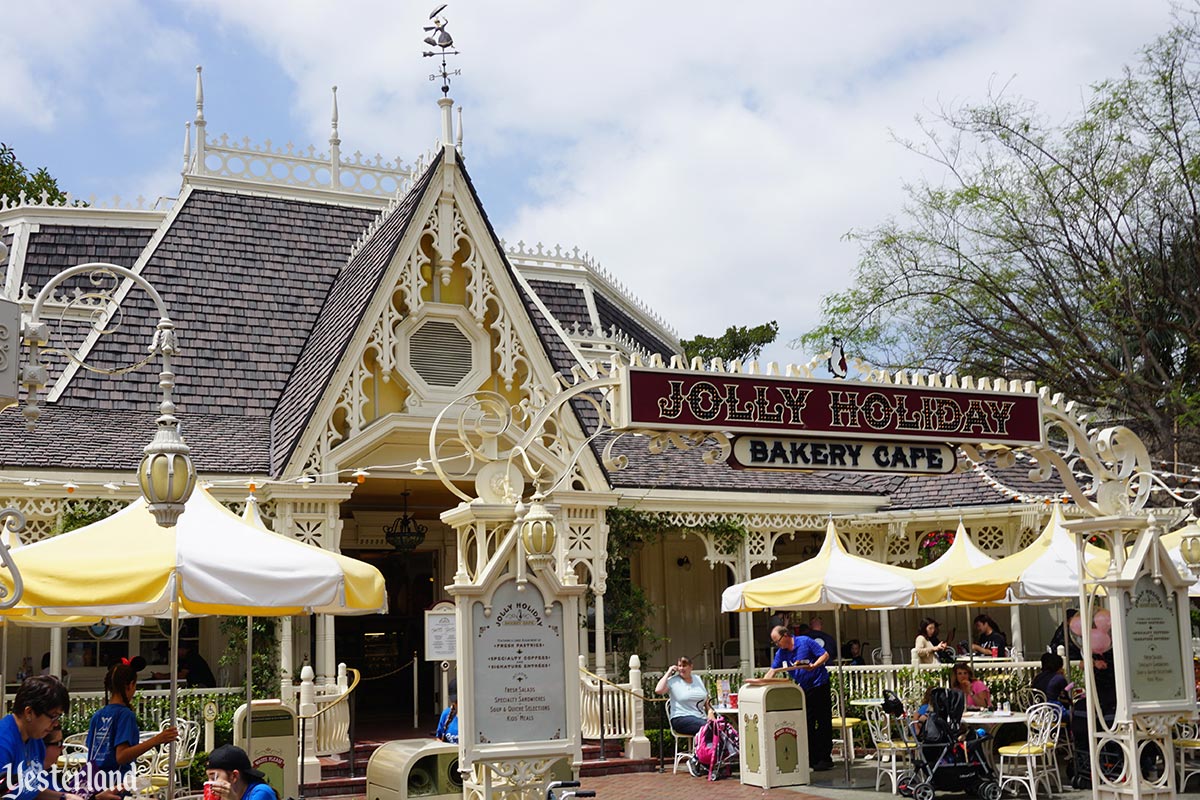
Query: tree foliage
x,y
15,178
1062,253
737,343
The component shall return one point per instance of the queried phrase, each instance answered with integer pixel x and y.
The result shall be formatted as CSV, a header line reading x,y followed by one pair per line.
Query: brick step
x,y
336,787
613,748
617,766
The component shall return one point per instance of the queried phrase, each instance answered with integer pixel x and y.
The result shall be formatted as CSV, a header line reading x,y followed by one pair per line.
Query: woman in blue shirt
x,y
113,739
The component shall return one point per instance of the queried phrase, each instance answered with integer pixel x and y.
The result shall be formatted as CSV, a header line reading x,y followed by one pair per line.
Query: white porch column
x,y
331,662
885,636
322,668
1015,643
56,652
287,660
601,655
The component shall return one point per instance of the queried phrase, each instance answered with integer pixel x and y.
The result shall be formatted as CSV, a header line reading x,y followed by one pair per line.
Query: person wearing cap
x,y
447,729
232,777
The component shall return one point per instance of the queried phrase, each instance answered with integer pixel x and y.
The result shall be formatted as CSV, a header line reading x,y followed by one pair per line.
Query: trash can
x,y
273,746
407,768
774,734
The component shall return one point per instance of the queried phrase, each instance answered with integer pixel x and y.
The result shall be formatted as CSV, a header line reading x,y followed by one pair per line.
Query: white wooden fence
x,y
625,709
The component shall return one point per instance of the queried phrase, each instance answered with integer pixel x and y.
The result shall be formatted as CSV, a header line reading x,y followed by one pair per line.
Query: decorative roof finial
x,y
458,141
439,37
333,129
187,145
199,97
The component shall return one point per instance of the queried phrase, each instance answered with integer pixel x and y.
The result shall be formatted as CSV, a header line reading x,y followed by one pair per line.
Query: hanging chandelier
x,y
405,533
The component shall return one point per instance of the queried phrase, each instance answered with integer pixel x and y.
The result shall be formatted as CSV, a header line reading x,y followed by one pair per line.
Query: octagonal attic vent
x,y
440,353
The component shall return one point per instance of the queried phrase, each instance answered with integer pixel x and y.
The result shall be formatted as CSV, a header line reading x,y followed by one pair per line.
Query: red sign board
x,y
668,399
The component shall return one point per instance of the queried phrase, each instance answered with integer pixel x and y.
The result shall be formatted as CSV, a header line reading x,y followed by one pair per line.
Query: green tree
x,y
15,178
1063,253
738,342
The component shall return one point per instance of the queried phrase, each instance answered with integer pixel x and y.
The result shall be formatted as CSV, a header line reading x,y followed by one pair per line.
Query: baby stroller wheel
x,y
904,783
696,769
989,790
922,791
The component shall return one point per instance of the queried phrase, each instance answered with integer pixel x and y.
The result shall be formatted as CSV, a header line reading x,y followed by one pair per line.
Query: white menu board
x,y
441,633
520,690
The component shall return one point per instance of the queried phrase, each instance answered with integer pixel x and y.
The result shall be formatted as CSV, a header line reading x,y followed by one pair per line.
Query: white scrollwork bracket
x,y
1115,459
12,521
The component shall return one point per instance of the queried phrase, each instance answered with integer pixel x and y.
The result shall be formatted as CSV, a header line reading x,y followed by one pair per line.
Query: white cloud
x,y
712,155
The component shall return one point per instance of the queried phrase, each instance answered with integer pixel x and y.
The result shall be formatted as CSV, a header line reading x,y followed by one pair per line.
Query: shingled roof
x,y
243,277
345,304
53,248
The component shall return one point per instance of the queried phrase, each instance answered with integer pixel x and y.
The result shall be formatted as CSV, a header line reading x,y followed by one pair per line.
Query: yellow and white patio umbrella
x,y
1048,569
832,578
960,558
211,563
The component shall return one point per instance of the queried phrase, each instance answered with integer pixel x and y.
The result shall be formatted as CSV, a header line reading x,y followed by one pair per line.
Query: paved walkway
x,y
828,786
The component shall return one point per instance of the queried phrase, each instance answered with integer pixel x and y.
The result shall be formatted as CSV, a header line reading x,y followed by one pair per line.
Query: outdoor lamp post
x,y
1190,549
537,531
166,474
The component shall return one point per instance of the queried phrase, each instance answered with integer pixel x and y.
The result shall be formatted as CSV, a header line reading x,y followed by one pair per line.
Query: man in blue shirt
x,y
39,703
803,659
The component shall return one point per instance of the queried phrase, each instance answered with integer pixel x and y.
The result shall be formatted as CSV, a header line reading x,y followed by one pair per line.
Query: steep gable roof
x,y
340,315
243,277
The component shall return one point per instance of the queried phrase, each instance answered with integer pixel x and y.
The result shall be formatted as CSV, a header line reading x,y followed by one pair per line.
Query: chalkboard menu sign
x,y
1155,656
520,689
441,633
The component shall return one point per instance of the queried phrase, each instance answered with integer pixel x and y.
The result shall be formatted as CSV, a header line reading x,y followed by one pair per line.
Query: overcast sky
x,y
712,155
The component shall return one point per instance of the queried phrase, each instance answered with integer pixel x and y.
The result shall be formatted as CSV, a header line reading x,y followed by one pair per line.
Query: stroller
x,y
715,750
946,758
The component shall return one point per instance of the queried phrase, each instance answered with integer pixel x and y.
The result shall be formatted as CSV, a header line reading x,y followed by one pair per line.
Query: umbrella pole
x,y
174,702
847,755
4,666
249,683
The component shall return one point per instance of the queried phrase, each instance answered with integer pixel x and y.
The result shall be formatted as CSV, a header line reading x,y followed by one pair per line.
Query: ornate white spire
x,y
187,145
200,123
335,152
458,138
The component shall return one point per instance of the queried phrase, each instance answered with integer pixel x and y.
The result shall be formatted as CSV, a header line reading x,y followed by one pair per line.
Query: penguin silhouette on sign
x,y
837,360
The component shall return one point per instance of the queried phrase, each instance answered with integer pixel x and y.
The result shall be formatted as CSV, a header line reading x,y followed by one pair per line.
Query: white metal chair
x,y
892,756
1030,762
846,744
1187,752
683,743
1027,697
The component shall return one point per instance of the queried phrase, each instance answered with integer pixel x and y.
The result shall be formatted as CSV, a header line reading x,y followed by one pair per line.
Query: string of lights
x,y
357,474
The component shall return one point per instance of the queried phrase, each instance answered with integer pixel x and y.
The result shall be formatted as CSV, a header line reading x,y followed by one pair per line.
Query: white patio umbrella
x,y
829,580
212,562
1173,541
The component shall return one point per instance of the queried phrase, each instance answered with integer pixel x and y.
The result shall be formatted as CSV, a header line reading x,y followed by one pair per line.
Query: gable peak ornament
x,y
441,39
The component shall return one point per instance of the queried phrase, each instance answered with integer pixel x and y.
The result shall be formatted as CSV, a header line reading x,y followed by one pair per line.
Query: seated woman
x,y
689,699
1051,681
927,645
976,691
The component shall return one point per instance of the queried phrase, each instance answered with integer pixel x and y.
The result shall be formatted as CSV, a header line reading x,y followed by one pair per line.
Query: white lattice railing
x,y
152,706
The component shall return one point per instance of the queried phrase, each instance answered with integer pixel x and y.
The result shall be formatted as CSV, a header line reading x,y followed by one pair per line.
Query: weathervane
x,y
440,38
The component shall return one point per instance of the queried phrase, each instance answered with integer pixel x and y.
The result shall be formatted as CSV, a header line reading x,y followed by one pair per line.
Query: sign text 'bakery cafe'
x,y
668,399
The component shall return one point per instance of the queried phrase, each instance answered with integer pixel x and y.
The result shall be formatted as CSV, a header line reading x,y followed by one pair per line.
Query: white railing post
x,y
638,745
308,706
